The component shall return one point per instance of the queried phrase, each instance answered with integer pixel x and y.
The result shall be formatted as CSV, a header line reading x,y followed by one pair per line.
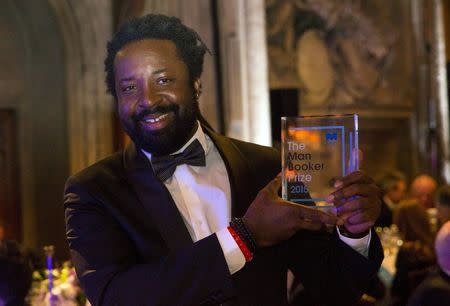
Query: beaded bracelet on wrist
x,y
244,233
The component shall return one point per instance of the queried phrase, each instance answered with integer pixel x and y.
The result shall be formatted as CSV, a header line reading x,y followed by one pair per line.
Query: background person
x,y
435,290
423,188
416,254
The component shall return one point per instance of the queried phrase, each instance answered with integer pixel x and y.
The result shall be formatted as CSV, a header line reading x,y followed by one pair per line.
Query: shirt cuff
x,y
233,255
360,245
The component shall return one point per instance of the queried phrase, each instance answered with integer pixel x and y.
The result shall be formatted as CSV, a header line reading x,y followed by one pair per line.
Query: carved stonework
x,y
338,52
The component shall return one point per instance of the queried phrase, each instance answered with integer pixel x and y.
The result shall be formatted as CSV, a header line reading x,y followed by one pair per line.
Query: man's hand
x,y
272,219
357,201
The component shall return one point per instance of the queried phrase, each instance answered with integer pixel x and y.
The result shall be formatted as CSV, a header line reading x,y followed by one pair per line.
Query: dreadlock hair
x,y
189,45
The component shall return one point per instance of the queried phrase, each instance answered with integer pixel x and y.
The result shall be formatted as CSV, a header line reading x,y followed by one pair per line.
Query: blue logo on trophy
x,y
331,138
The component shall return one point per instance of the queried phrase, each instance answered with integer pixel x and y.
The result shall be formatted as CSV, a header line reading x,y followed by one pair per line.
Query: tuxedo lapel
x,y
156,199
238,170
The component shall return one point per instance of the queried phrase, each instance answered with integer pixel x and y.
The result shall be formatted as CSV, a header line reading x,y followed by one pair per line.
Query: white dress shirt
x,y
203,198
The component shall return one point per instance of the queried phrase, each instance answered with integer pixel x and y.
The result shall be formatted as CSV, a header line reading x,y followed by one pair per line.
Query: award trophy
x,y
316,151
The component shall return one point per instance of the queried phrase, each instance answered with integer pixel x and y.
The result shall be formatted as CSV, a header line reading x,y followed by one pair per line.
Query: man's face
x,y
424,192
398,192
155,95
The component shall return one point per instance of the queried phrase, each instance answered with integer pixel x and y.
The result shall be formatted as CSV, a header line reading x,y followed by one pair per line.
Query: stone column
x,y
439,88
244,69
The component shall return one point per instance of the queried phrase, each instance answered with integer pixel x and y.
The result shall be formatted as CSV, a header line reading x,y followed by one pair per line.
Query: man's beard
x,y
166,140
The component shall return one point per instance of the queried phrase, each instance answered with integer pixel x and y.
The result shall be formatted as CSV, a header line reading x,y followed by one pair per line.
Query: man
x,y
423,189
145,228
443,204
393,185
435,289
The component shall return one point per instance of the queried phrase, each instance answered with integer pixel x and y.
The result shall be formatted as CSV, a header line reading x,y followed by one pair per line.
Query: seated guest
x,y
416,254
15,273
443,204
393,185
423,189
435,290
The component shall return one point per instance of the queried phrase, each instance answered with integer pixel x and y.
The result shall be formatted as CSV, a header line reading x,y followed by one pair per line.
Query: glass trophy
x,y
316,151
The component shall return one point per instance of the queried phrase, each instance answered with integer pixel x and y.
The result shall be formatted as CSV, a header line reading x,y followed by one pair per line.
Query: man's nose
x,y
149,98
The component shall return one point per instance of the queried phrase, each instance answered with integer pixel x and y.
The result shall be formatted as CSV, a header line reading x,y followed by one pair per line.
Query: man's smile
x,y
157,121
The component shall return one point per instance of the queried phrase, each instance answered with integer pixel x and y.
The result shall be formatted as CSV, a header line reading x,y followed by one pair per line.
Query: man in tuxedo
x,y
185,216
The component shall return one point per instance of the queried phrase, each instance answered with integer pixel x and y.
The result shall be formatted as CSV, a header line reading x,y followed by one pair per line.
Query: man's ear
x,y
197,88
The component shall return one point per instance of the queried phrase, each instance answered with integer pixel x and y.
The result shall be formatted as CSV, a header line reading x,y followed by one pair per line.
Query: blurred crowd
x,y
420,215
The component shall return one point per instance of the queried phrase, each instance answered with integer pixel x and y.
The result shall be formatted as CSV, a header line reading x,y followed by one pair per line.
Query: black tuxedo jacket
x,y
130,246
385,218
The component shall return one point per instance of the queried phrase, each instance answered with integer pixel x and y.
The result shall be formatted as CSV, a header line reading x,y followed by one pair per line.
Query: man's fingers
x,y
352,178
316,214
274,185
361,216
308,225
311,214
342,195
354,204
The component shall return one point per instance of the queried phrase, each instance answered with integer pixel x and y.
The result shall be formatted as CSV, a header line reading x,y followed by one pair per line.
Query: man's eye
x,y
129,88
163,81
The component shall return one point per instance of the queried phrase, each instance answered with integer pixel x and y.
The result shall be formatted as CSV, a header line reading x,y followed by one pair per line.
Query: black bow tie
x,y
164,166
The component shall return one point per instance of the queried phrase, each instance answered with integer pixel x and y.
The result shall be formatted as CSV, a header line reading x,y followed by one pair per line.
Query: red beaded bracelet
x,y
247,254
